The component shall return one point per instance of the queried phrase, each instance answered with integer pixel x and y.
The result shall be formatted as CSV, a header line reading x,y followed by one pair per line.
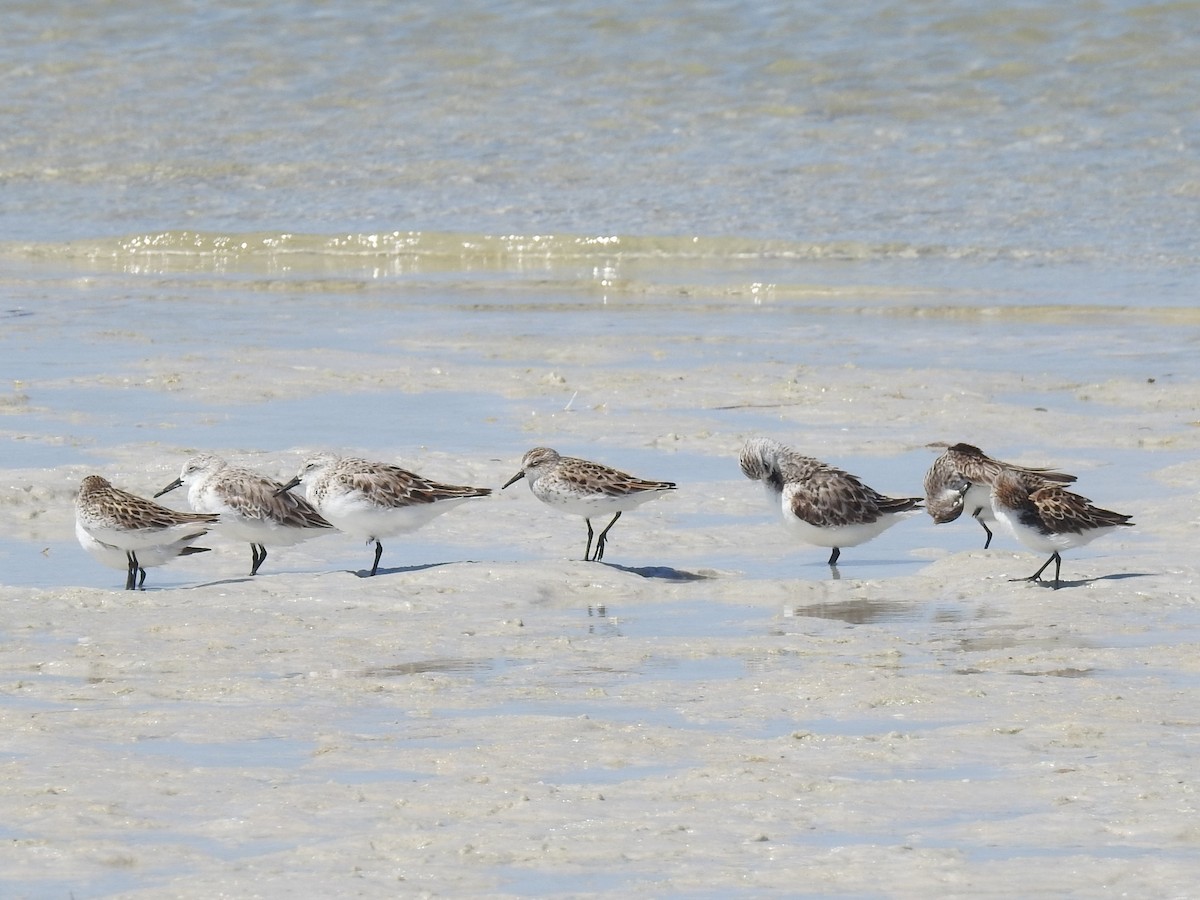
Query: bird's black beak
x,y
514,479
287,487
170,487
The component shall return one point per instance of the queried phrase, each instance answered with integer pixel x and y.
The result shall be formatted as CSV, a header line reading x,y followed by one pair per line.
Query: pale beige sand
x,y
469,728
542,726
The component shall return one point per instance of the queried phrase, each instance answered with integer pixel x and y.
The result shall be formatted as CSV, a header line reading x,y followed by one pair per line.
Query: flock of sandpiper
x,y
821,504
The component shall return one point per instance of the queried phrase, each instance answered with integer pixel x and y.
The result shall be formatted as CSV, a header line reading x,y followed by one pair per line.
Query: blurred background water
x,y
1060,135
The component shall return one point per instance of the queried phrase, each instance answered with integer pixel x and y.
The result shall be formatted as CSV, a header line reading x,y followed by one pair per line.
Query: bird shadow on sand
x,y
224,582
401,570
357,573
661,573
1083,582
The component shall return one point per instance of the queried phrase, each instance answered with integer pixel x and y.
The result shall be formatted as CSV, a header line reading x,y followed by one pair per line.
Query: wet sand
x,y
707,712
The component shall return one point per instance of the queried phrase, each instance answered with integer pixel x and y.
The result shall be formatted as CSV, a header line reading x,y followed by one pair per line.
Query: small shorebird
x,y
147,558
821,504
250,505
962,477
132,524
1047,519
586,489
374,500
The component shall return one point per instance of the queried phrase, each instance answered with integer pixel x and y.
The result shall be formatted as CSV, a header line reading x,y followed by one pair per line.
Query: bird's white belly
x,y
838,535
1055,542
979,497
588,505
360,518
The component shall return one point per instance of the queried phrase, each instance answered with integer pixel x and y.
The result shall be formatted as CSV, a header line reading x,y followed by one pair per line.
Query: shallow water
x,y
1045,130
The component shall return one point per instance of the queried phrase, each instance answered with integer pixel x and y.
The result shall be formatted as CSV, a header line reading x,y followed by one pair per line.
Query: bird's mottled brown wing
x,y
392,486
613,482
829,497
149,514
1065,512
979,468
258,497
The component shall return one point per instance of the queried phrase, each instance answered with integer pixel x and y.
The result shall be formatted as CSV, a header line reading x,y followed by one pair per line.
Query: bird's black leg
x,y
258,555
1037,576
982,524
141,577
587,552
600,540
131,572
378,553
833,557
